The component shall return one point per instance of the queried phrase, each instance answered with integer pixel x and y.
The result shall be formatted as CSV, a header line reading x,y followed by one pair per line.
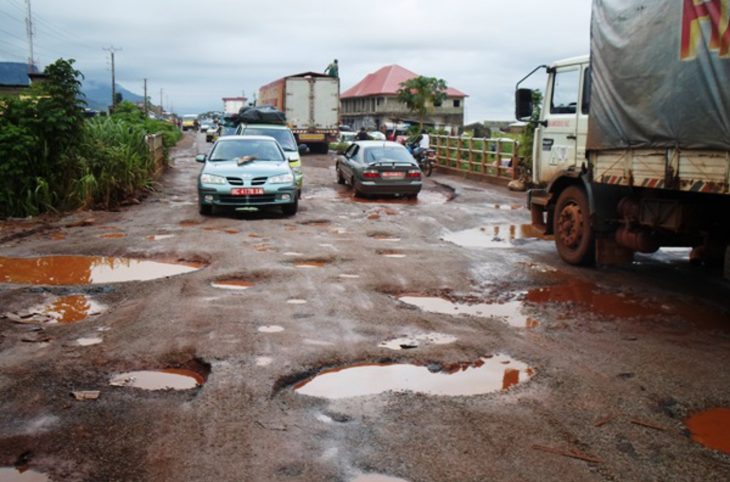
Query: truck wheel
x,y
574,237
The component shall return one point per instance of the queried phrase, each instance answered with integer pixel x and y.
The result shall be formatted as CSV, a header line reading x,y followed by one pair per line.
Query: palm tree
x,y
420,94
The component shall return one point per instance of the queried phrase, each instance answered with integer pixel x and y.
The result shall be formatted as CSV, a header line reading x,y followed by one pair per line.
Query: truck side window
x,y
565,92
586,101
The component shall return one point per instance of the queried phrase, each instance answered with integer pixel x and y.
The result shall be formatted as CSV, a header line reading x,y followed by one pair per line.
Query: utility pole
x,y
29,32
161,108
111,51
146,111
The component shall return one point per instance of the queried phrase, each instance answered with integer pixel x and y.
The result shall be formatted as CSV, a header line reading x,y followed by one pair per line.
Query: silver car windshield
x,y
262,150
398,154
283,136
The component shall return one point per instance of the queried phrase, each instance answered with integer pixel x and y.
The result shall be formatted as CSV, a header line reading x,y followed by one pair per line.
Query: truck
x,y
631,148
232,105
311,104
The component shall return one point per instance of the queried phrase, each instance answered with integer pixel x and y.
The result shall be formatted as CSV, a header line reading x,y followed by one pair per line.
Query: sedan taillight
x,y
414,174
370,174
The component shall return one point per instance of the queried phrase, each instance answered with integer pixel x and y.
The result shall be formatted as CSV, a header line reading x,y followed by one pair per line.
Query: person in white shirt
x,y
423,144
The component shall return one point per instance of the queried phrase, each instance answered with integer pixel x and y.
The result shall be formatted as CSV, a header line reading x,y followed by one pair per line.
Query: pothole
x,y
236,284
348,276
296,301
711,428
509,312
89,341
416,341
384,237
16,474
506,207
316,222
63,309
486,375
112,236
495,236
312,263
390,253
166,379
159,237
186,223
270,329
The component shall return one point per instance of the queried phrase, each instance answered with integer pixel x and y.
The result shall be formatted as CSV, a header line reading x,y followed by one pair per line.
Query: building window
x,y
457,102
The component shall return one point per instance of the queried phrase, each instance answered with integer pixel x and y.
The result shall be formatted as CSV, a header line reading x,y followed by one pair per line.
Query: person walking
x,y
362,135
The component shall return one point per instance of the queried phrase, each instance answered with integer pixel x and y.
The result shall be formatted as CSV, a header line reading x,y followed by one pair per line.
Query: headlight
x,y
212,179
287,178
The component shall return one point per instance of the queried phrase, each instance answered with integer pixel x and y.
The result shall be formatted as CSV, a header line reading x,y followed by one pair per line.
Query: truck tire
x,y
574,237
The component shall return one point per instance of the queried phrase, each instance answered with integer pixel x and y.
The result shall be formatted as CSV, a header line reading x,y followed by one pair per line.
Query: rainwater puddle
x,y
271,329
189,222
310,264
317,222
263,361
390,253
112,236
232,284
63,309
76,270
384,237
13,474
167,379
89,341
506,207
711,428
348,276
486,375
159,237
377,478
426,196
411,342
293,253
509,312
295,301
494,236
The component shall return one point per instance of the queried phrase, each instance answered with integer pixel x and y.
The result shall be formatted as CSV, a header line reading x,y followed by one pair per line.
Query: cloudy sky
x,y
200,51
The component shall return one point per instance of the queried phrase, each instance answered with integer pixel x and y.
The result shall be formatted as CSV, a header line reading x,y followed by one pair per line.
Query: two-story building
x,y
372,103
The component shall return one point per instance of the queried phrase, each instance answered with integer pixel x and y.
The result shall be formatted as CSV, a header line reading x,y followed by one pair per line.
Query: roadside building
x,y
15,78
372,103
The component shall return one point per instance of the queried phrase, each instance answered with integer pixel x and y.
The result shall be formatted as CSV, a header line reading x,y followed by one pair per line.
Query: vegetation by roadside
x,y
53,159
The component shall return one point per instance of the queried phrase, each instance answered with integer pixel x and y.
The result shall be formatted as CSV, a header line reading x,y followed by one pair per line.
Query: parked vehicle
x,y
285,138
311,103
378,167
247,172
189,121
630,152
212,134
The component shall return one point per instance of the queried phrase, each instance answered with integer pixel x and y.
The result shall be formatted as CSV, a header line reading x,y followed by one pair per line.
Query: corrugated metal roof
x,y
386,81
14,73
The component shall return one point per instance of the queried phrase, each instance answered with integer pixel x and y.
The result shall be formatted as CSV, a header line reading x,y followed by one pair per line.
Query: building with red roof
x,y
372,103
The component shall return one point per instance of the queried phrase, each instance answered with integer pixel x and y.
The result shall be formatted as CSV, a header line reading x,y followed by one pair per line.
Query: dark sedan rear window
x,y
398,154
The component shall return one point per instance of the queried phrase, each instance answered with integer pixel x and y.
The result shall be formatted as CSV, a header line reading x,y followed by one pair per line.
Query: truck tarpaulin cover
x,y
264,114
660,74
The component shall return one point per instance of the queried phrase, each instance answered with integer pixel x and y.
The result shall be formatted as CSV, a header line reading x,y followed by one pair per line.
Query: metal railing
x,y
496,157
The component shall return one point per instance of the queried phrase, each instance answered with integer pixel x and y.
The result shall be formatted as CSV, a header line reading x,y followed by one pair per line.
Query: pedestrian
x,y
362,135
333,70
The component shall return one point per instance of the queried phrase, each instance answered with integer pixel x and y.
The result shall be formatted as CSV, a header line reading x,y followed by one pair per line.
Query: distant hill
x,y
99,94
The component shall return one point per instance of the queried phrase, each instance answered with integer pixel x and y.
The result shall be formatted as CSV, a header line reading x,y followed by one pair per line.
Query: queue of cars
x,y
259,165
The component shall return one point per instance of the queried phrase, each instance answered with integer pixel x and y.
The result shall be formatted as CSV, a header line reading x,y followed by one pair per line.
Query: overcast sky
x,y
200,51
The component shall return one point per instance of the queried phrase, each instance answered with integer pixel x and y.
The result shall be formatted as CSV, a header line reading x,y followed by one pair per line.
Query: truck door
x,y
559,139
298,102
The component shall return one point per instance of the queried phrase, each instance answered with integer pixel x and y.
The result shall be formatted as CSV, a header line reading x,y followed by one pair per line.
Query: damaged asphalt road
x,y
364,340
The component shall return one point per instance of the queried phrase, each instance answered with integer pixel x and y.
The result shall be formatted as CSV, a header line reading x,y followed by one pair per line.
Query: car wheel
x,y
340,177
205,209
574,237
290,209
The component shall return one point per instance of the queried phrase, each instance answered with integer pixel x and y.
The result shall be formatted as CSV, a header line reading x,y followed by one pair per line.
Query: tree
x,y
420,94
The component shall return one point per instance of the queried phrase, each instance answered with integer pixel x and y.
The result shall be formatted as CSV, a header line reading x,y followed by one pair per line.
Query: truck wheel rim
x,y
570,225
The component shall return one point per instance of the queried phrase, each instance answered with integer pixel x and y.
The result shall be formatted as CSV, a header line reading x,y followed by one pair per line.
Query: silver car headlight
x,y
212,179
287,178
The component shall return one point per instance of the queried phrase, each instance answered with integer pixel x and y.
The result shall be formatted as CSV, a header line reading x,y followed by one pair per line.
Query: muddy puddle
x,y
62,309
348,276
235,284
509,312
384,237
159,237
76,270
507,207
495,236
390,253
426,196
296,301
417,341
167,379
13,474
112,235
370,477
270,329
311,263
486,375
89,341
711,428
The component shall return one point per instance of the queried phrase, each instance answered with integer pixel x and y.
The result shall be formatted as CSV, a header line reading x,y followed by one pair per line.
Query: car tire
x,y
574,236
290,209
205,209
340,177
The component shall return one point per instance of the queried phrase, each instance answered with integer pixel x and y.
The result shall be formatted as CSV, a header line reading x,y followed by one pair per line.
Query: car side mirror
x,y
303,149
523,104
200,158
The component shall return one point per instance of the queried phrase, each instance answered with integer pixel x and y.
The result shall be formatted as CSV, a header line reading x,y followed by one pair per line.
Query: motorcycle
x,y
426,158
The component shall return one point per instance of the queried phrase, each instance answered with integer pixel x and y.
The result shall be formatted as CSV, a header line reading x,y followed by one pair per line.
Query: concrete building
x,y
372,103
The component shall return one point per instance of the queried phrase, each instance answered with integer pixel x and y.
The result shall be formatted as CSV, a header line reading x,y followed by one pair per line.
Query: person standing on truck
x,y
333,69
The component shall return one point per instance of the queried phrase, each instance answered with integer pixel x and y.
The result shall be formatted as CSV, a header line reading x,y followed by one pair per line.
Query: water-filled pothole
x,y
76,270
384,237
711,428
311,263
510,312
232,284
270,329
390,253
486,375
494,236
62,309
89,341
112,236
15,474
166,379
506,207
348,276
416,341
159,237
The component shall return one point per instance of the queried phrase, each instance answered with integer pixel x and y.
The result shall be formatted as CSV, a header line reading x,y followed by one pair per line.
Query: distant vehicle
x,y
311,103
212,134
206,124
231,105
376,135
346,137
189,121
377,167
285,138
246,172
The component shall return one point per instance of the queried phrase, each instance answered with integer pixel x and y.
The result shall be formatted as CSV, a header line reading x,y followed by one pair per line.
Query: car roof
x,y
267,126
378,144
246,138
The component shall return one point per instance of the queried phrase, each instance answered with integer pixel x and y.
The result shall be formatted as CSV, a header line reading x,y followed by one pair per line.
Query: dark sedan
x,y
379,167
